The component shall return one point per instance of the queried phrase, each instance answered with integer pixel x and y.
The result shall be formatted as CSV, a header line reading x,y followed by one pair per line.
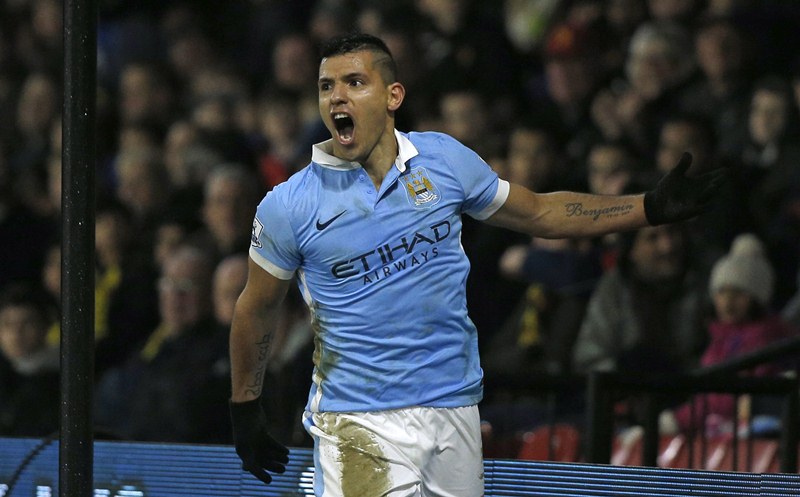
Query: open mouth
x,y
344,127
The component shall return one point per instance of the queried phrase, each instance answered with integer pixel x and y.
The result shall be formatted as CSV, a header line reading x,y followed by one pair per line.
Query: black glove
x,y
256,448
678,197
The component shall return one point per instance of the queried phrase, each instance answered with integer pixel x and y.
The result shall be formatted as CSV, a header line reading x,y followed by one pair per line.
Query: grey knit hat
x,y
745,267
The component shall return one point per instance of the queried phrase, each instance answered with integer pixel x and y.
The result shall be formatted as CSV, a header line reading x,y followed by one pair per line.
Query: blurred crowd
x,y
204,106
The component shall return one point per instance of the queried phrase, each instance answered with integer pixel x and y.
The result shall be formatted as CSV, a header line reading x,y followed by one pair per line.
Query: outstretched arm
x,y
676,197
568,214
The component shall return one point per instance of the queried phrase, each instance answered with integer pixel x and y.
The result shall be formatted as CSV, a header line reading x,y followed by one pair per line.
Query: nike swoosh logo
x,y
322,226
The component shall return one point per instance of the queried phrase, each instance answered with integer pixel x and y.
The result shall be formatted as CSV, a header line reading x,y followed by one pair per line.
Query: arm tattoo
x,y
576,209
264,345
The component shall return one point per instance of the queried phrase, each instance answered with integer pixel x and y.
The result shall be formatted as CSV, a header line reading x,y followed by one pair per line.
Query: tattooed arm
x,y
676,197
253,331
569,214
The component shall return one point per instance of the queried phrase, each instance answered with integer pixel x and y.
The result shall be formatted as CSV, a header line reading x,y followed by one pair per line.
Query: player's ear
x,y
396,95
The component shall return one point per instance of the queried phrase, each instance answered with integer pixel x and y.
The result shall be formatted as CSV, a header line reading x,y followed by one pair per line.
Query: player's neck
x,y
381,160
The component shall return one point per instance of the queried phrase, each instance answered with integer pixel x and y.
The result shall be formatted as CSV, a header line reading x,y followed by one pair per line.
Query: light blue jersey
x,y
383,272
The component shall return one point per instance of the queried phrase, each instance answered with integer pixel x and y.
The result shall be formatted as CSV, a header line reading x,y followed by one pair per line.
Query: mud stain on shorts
x,y
365,470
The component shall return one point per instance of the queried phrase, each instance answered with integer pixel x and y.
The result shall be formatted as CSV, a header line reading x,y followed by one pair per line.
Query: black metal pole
x,y
600,417
76,451
651,438
791,433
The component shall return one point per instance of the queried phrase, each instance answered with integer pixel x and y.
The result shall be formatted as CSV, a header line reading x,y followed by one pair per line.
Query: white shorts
x,y
413,452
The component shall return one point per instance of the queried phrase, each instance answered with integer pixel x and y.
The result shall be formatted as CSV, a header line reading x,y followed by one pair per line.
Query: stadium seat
x,y
564,446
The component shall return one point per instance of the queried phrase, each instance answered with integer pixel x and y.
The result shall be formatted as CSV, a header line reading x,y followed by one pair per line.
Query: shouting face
x,y
357,105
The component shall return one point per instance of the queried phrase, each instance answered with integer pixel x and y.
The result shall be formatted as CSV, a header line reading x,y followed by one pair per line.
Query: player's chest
x,y
412,212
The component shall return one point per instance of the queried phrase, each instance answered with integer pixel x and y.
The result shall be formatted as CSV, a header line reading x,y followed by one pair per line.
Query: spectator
x,y
770,158
171,232
142,186
25,233
678,11
188,160
219,104
173,389
611,166
525,24
622,17
645,315
215,117
294,69
539,334
147,95
574,67
180,136
189,48
741,288
535,159
11,73
126,308
138,135
30,153
406,48
279,126
771,121
721,92
265,22
728,215
656,70
37,108
690,132
582,12
221,79
29,367
466,115
230,192
51,278
39,35
464,43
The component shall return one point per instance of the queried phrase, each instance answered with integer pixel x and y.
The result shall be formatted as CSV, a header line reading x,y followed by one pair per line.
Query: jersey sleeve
x,y
273,244
484,191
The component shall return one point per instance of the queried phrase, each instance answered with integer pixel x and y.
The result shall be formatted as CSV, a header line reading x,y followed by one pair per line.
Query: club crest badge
x,y
422,192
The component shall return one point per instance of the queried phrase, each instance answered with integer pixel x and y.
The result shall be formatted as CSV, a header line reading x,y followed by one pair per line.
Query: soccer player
x,y
370,230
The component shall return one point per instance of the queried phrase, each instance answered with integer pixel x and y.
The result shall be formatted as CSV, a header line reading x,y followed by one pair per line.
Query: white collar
x,y
322,154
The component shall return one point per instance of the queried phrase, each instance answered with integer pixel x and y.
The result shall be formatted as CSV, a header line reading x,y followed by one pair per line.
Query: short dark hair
x,y
360,42
774,83
22,294
702,126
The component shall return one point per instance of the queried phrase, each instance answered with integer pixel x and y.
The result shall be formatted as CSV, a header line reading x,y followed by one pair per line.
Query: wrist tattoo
x,y
264,345
576,209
